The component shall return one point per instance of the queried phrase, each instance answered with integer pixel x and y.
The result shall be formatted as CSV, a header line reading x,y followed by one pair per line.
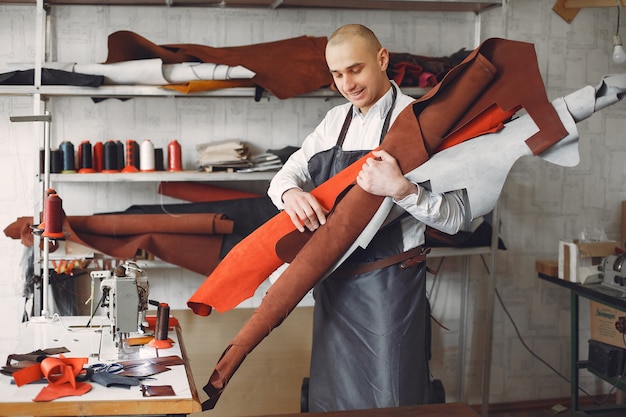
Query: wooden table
x,y
70,332
429,410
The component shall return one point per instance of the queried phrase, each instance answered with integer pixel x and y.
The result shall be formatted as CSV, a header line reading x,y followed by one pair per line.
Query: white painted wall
x,y
540,203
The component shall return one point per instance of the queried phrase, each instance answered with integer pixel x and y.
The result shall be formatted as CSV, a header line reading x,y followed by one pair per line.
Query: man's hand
x,y
304,209
382,176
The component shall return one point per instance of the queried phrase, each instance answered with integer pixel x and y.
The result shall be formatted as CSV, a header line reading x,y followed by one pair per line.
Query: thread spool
x,y
42,160
110,157
158,159
67,150
86,158
174,156
146,156
56,161
161,327
120,155
42,225
98,157
130,156
53,217
79,158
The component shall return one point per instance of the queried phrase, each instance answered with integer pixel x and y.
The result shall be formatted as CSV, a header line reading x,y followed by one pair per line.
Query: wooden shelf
x,y
162,177
131,91
409,5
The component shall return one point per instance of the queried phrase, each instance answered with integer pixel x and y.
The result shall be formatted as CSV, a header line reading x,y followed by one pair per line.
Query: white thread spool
x,y
146,156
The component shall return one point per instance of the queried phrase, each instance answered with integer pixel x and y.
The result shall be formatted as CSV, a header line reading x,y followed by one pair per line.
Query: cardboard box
x,y
602,324
579,261
549,267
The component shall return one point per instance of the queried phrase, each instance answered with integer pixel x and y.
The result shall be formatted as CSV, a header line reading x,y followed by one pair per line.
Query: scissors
x,y
111,368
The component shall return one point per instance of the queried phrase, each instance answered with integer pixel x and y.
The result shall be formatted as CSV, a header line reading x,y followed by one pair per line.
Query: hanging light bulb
x,y
619,55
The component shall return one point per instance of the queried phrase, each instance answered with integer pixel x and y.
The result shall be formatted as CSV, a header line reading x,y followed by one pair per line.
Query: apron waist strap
x,y
407,259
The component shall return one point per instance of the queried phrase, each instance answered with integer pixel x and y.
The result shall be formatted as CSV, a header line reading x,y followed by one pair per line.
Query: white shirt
x,y
445,212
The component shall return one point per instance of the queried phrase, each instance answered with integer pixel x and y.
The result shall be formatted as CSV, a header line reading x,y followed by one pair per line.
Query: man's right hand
x,y
304,209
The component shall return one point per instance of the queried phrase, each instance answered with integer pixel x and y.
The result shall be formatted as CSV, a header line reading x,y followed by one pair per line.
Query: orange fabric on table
x,y
52,392
61,375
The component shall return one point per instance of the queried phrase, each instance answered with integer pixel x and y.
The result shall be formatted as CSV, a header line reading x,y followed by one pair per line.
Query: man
x,y
370,342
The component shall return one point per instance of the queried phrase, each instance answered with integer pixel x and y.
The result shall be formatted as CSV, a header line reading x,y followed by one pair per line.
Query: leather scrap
x,y
285,68
157,390
191,241
114,380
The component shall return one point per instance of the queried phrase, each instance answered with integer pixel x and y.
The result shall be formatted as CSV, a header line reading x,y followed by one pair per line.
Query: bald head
x,y
355,32
358,64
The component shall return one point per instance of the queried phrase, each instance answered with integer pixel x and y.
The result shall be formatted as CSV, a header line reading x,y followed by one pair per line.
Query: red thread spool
x,y
98,156
130,156
53,217
42,224
174,156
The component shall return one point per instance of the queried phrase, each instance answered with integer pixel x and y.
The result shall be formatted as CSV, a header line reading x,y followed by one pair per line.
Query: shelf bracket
x,y
568,9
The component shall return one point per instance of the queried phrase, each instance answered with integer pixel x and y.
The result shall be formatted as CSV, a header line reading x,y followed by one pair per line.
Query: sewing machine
x,y
613,271
125,297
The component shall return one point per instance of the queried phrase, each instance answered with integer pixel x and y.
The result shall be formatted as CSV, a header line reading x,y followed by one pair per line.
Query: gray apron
x,y
371,341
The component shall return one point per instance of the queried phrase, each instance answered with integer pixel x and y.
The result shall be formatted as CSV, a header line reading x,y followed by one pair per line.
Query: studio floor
x,y
549,408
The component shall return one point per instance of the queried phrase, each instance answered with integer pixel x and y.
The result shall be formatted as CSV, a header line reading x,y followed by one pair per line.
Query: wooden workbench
x,y
70,332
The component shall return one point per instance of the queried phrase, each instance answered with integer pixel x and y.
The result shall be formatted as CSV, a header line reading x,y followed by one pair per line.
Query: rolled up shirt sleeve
x,y
291,175
445,212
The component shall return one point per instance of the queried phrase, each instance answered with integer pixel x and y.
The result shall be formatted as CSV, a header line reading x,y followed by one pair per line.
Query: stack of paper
x,y
264,162
223,155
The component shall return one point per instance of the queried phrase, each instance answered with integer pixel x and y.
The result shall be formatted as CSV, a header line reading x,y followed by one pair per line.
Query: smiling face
x,y
358,65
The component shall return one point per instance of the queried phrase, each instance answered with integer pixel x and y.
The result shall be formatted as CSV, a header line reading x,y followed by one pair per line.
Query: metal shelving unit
x,y
161,176
412,5
132,91
40,94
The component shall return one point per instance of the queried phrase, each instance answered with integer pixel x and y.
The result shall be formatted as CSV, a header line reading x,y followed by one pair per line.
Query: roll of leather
x,y
132,224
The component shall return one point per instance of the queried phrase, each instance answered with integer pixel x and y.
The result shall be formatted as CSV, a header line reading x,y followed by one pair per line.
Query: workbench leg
x,y
574,404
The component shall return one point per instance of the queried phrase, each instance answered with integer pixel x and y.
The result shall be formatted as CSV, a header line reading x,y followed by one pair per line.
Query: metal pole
x,y
489,303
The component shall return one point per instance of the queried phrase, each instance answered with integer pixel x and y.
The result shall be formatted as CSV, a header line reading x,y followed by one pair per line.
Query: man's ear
x,y
383,59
